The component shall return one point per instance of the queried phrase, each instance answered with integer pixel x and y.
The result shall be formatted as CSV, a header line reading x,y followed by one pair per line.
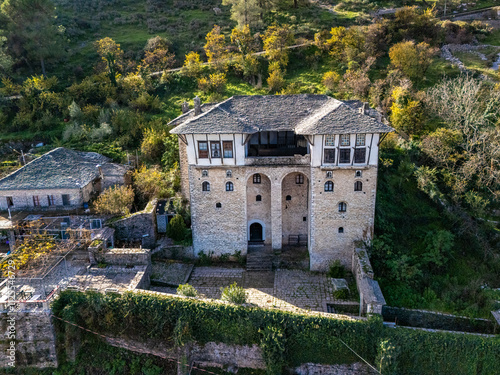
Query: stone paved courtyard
x,y
292,290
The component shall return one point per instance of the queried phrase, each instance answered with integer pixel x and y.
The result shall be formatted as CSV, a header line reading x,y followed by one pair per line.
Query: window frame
x,y
329,186
227,146
256,178
215,151
357,159
10,201
229,173
51,200
203,154
342,159
358,186
229,186
331,156
205,186
36,201
68,200
360,140
258,198
345,140
330,140
342,207
299,179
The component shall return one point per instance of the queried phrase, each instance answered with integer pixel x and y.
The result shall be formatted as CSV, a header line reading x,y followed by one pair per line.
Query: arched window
x,y
258,198
341,230
204,173
342,207
229,186
358,186
229,173
205,186
299,179
218,205
359,173
328,186
256,178
329,174
288,197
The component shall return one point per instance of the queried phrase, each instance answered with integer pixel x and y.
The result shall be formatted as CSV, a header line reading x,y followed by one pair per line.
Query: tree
x,y
413,60
171,156
176,229
245,12
112,55
276,40
215,47
31,30
152,146
154,183
192,65
214,84
406,112
276,80
6,61
116,200
247,45
331,80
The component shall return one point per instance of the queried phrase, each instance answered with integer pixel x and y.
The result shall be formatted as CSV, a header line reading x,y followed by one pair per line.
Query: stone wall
x,y
140,226
175,252
326,243
124,257
23,199
260,211
184,166
35,340
297,208
371,296
317,369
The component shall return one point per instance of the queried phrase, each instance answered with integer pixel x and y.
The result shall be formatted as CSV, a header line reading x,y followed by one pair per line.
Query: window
x,y
330,140
205,186
360,139
227,146
51,200
36,201
65,199
345,140
358,186
218,205
359,155
95,224
10,202
359,174
329,174
304,218
328,186
288,197
329,155
203,149
341,230
342,207
229,174
204,173
258,198
229,186
345,155
215,149
299,179
256,178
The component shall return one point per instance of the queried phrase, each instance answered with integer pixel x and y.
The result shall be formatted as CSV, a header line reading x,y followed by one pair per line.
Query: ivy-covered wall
x,y
287,339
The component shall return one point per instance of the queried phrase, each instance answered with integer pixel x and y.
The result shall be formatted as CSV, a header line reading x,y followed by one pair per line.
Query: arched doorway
x,y
256,232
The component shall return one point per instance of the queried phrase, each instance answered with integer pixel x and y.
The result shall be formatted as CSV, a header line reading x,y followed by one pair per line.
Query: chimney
x,y
197,106
364,108
100,170
185,107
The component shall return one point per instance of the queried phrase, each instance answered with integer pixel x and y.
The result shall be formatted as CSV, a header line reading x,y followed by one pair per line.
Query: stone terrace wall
x,y
371,296
135,226
125,257
35,340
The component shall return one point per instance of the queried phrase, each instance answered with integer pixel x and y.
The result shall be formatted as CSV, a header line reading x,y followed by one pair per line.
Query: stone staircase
x,y
259,258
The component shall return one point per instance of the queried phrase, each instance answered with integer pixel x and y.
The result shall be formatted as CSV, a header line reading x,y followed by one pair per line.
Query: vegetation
x,y
187,290
287,339
234,294
116,200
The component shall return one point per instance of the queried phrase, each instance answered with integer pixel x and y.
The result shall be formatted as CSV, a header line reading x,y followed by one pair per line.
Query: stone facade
x,y
140,226
281,172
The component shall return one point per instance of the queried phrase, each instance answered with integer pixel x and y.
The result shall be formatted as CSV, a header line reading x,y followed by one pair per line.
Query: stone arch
x,y
294,210
259,211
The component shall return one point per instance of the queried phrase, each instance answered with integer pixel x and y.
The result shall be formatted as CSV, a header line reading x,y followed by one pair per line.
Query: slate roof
x,y
59,168
306,114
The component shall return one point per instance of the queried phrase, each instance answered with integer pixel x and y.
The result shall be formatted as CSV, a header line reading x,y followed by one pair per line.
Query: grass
x,y
473,62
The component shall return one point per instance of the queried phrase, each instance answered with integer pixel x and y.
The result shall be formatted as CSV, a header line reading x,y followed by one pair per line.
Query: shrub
x,y
331,80
176,229
215,83
276,81
234,294
187,290
341,294
116,200
336,270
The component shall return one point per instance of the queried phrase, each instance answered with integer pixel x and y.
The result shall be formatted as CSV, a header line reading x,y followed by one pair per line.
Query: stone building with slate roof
x,y
59,179
280,170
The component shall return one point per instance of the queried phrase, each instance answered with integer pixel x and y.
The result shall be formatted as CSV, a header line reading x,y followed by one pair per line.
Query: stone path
x,y
291,290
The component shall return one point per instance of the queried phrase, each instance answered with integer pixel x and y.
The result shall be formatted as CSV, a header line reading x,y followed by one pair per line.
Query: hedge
x,y
287,339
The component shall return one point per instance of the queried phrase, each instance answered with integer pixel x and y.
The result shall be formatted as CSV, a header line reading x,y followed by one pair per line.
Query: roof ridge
x,y
201,115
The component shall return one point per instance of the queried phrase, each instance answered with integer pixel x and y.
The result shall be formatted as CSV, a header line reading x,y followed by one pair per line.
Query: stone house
x,y
59,179
280,170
